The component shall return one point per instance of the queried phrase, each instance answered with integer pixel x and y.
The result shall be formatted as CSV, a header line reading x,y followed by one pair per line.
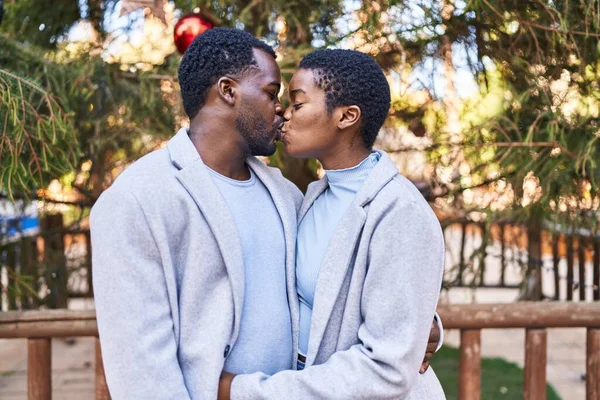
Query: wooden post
x,y
555,264
502,255
29,269
100,386
1,289
570,262
463,242
534,264
55,261
535,364
11,288
484,243
596,267
581,257
469,380
593,364
39,369
88,260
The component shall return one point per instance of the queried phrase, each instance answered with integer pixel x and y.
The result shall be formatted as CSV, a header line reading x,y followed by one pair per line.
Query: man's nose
x,y
279,109
287,114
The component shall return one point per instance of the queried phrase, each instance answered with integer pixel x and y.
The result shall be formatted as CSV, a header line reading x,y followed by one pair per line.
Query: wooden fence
x,y
473,248
535,318
46,269
40,326
56,264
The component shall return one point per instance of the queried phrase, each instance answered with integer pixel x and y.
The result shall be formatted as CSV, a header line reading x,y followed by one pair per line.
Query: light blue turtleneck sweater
x,y
315,231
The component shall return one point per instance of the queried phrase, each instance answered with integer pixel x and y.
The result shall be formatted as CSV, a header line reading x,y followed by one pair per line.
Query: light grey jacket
x,y
375,298
168,273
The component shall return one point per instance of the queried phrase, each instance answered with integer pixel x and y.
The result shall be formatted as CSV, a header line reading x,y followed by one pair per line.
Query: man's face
x,y
259,118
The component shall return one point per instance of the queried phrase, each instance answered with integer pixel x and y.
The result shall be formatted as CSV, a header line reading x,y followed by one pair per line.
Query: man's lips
x,y
278,132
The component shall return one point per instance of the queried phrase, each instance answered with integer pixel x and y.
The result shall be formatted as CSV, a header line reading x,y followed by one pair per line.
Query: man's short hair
x,y
212,55
349,77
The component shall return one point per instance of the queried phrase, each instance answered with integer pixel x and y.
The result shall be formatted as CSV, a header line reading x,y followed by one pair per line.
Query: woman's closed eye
x,y
297,106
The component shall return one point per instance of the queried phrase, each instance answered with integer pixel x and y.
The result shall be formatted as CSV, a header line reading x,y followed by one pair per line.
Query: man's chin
x,y
264,151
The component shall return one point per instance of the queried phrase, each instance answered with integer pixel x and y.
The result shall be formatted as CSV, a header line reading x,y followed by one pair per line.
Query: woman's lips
x,y
282,134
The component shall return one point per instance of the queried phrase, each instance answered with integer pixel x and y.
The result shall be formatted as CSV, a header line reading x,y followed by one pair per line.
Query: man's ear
x,y
227,89
348,117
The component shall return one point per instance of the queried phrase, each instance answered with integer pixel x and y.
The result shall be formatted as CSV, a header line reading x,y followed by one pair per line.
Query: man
x,y
193,245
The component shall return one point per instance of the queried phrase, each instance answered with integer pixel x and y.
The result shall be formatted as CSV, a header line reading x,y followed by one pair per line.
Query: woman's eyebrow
x,y
297,91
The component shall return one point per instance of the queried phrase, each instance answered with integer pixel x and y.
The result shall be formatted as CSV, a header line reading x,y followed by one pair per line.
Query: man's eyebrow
x,y
278,84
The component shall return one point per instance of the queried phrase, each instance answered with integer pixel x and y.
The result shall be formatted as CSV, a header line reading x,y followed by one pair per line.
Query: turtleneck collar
x,y
353,177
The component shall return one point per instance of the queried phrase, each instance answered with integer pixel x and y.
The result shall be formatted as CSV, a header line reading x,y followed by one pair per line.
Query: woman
x,y
370,250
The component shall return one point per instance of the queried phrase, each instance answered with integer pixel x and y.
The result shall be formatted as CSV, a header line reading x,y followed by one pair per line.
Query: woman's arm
x,y
399,298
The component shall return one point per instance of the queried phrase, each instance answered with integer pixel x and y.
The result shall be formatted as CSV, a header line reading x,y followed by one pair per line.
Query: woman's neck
x,y
344,158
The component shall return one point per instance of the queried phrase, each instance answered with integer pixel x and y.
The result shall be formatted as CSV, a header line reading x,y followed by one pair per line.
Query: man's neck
x,y
221,149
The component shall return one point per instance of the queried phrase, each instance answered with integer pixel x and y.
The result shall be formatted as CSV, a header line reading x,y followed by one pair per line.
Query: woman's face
x,y
308,130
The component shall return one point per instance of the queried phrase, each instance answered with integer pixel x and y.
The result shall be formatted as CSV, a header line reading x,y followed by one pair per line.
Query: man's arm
x,y
436,335
399,299
139,349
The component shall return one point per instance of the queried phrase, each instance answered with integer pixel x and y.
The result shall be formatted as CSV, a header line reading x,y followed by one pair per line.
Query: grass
x,y
500,379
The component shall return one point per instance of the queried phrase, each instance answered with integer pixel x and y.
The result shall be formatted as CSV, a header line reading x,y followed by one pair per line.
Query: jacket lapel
x,y
342,246
381,175
287,212
196,179
314,190
332,274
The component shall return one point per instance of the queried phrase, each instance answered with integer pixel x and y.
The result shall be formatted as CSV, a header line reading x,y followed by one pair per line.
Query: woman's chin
x,y
295,151
289,150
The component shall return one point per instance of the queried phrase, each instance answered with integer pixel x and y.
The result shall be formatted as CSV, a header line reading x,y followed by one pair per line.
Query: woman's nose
x,y
287,114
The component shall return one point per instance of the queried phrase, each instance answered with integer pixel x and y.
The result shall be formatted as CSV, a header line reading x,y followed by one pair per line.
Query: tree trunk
x,y
450,97
532,285
55,262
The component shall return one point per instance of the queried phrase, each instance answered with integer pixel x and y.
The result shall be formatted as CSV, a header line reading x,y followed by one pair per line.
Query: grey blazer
x,y
375,299
168,273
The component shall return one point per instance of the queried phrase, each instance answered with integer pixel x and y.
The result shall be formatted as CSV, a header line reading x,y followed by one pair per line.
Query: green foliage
x,y
536,63
305,20
37,140
539,61
500,379
98,111
40,23
547,54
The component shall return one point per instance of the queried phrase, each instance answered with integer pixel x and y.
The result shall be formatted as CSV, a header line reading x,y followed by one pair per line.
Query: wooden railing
x,y
40,326
534,317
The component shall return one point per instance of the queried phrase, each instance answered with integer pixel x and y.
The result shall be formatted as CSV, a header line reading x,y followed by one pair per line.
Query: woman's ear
x,y
227,89
349,116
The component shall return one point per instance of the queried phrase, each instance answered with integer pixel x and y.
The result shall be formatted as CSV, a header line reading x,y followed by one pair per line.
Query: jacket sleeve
x,y
138,343
398,303
438,321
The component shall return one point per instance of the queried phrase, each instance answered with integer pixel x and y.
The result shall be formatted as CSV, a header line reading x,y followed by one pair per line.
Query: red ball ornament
x,y
187,28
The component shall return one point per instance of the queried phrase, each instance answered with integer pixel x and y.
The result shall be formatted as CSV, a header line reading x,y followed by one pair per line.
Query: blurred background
x,y
495,117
